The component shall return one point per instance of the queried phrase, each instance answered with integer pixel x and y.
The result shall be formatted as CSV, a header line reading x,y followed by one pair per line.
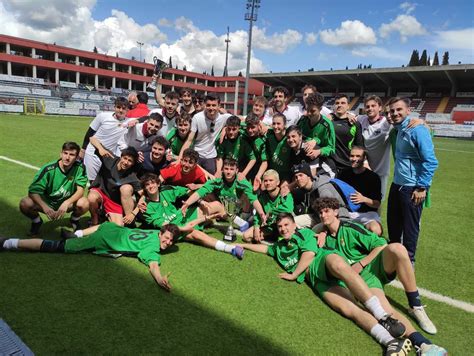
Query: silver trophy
x,y
159,66
231,207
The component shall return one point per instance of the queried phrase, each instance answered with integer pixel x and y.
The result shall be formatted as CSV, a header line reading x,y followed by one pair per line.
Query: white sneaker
x,y
419,314
431,350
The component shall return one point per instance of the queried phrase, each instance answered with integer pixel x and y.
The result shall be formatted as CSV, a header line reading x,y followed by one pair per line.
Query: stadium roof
x,y
433,78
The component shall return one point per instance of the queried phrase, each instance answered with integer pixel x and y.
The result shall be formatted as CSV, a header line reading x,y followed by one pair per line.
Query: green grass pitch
x,y
84,304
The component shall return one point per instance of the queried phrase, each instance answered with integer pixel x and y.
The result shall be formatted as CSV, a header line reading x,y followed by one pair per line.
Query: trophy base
x,y
230,238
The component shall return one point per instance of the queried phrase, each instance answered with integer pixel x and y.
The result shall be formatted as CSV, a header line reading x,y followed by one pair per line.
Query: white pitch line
x,y
445,149
20,163
424,292
439,298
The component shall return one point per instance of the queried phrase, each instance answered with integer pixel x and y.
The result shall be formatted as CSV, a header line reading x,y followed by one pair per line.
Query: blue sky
x,y
289,35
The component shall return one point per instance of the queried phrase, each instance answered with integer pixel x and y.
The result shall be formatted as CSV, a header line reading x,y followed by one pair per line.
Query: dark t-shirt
x,y
347,135
110,179
148,166
367,183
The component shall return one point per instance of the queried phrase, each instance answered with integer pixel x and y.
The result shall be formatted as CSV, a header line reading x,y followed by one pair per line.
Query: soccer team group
x,y
306,183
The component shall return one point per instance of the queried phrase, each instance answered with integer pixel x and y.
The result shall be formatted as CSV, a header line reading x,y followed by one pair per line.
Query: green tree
x,y
414,59
95,50
445,58
436,59
423,58
170,63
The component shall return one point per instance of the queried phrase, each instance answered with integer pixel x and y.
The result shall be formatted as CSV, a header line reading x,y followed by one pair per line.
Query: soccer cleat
x,y
75,224
238,252
419,314
66,235
398,347
393,326
35,228
431,350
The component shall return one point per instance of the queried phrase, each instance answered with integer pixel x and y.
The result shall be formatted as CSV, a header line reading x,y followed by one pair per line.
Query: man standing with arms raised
x,y
415,164
205,127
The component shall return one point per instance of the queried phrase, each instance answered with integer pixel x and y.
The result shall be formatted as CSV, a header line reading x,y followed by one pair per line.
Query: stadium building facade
x,y
51,64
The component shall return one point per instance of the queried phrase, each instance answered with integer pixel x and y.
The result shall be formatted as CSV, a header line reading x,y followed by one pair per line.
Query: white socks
x,y
241,223
79,233
374,306
222,246
380,334
11,244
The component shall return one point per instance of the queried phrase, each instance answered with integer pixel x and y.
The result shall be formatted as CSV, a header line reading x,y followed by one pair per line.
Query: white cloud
x,y
311,38
378,52
405,25
350,33
184,24
46,15
455,39
277,42
165,22
408,7
198,49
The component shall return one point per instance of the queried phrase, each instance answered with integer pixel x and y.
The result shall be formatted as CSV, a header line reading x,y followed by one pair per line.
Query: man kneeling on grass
x,y
297,252
108,238
57,189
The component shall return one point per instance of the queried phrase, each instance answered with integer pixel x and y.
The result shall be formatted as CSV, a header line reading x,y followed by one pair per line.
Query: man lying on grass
x,y
297,252
378,264
161,205
105,239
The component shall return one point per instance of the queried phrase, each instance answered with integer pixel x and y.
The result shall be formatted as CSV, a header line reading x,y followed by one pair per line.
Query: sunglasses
x,y
213,124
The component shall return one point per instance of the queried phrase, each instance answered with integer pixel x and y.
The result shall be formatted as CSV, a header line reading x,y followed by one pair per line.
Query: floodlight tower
x,y
140,44
226,53
251,16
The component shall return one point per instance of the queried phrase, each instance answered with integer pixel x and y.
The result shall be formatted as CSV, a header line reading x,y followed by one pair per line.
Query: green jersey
x,y
110,238
278,154
225,190
322,132
273,207
164,211
258,146
238,149
176,142
354,241
55,186
288,253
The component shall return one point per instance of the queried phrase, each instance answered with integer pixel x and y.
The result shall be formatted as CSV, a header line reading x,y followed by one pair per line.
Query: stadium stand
x,y
454,101
430,105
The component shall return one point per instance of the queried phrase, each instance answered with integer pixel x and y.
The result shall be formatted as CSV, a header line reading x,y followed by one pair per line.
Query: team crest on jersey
x,y
165,203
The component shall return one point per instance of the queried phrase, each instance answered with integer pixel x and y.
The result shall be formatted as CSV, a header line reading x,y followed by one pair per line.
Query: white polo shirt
x,y
168,124
292,114
135,138
204,138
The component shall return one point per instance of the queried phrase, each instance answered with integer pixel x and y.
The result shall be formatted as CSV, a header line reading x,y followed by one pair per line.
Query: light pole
x,y
252,6
140,44
226,53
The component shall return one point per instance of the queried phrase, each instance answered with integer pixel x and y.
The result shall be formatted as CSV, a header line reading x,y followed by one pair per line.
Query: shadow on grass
x,y
80,304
